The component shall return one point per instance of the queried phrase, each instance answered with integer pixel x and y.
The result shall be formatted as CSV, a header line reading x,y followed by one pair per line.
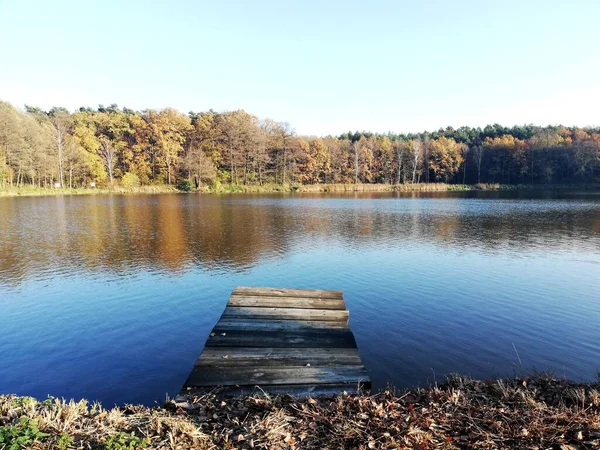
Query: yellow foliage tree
x,y
445,158
318,162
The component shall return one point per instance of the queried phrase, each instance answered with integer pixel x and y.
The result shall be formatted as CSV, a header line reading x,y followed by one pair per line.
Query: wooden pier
x,y
294,341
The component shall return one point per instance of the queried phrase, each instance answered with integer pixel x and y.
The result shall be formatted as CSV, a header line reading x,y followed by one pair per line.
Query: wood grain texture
x,y
285,313
294,341
217,376
277,292
275,325
286,302
274,356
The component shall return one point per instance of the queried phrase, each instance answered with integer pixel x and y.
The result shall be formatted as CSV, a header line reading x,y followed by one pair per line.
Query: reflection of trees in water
x,y
43,236
596,224
554,230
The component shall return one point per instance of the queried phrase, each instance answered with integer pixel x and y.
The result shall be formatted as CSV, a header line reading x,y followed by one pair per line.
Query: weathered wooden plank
x,y
261,376
290,339
286,302
293,341
277,325
272,356
285,313
276,292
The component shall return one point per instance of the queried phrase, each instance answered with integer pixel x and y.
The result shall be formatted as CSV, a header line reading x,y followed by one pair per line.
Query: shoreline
x,y
539,411
28,191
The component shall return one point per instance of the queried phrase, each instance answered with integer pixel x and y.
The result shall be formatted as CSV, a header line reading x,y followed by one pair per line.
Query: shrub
x,y
216,185
21,435
124,441
130,180
185,185
64,441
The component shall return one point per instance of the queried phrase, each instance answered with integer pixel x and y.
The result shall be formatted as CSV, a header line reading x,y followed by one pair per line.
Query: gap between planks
x,y
281,340
276,325
288,339
285,313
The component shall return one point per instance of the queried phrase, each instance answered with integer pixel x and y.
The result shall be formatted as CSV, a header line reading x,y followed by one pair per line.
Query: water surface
x,y
112,297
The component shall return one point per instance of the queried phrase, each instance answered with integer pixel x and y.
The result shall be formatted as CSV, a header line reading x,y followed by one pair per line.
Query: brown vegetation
x,y
540,412
361,187
109,146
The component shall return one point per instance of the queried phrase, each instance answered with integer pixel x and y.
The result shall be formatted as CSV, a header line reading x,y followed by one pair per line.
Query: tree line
x,y
109,145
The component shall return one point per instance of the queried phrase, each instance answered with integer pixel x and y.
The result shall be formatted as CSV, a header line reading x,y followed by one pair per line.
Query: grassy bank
x,y
421,187
31,191
531,413
436,187
8,191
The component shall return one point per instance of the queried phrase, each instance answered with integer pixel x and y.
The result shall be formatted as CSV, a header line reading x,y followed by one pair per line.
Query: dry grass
x,y
32,191
536,413
8,191
360,187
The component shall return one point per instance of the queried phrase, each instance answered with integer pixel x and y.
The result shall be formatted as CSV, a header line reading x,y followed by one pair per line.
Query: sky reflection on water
x,y
112,297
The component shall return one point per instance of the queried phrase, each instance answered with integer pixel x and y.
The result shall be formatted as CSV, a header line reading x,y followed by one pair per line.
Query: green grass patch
x,y
22,435
125,441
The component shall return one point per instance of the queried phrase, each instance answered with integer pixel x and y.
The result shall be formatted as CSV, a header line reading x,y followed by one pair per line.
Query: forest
x,y
110,146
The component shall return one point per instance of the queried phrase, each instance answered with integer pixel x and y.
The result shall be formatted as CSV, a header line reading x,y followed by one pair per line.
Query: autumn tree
x,y
168,130
540,143
586,154
385,160
61,126
199,166
445,158
10,136
317,163
506,157
299,148
285,132
338,160
416,149
106,144
478,156
365,158
85,138
402,148
111,127
206,134
238,133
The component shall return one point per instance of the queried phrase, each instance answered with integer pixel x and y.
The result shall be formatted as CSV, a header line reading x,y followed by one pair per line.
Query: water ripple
x,y
112,297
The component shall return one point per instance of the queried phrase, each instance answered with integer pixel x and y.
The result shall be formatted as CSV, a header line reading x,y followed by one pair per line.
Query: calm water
x,y
112,297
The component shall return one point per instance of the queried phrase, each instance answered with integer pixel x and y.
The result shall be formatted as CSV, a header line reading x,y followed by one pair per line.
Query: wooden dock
x,y
294,341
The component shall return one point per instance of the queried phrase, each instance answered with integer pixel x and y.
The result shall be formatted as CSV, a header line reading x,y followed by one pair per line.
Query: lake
x,y
112,297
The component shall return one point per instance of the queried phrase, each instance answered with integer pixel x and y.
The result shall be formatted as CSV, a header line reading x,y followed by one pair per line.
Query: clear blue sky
x,y
324,66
